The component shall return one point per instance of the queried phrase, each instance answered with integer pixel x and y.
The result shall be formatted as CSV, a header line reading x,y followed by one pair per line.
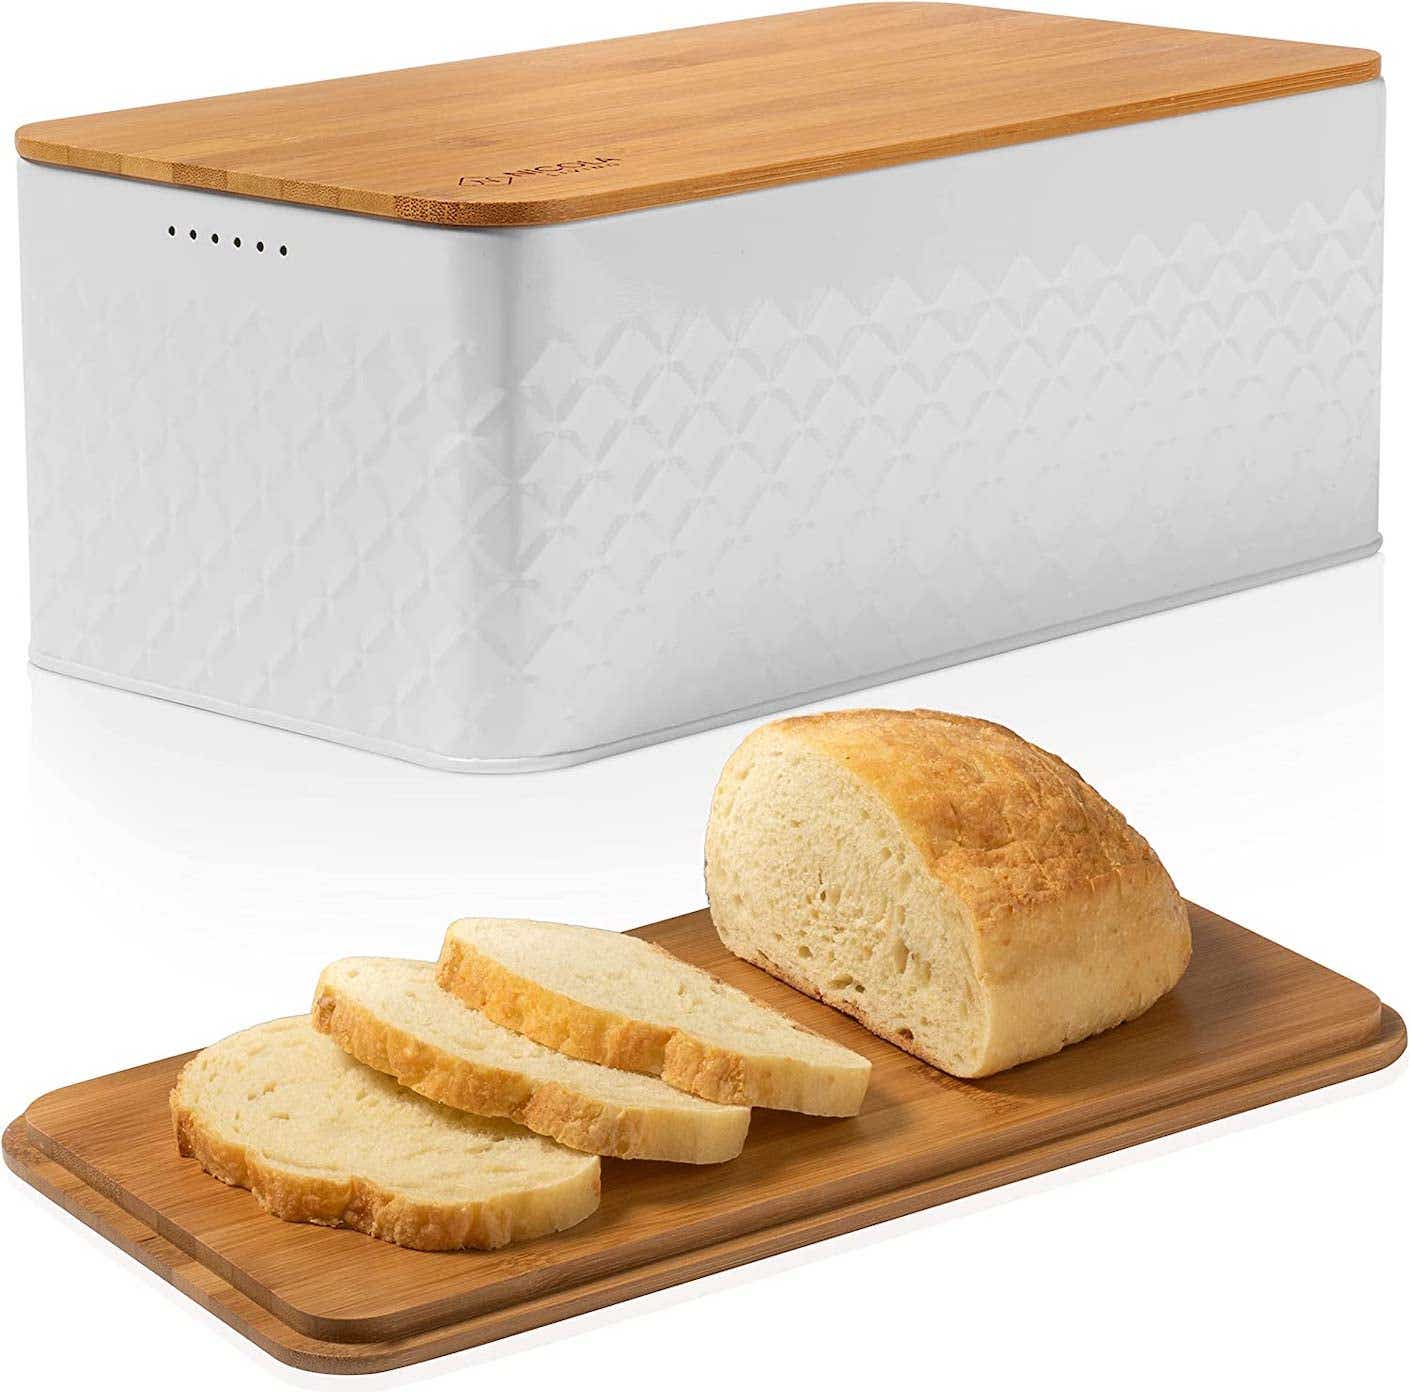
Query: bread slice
x,y
625,1003
281,1110
390,1014
959,891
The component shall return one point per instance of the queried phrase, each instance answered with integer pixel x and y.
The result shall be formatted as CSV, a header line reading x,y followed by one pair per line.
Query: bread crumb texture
x,y
390,1014
625,1003
317,1137
960,891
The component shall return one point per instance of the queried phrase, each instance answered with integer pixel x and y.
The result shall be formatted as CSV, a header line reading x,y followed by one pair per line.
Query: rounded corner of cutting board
x,y
23,1138
1390,1044
29,146
15,1143
98,1212
1357,65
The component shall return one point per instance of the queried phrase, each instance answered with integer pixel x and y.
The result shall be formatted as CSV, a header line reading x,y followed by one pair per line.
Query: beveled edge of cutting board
x,y
311,1354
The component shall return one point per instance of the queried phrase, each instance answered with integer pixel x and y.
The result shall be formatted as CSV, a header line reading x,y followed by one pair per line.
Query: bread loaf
x,y
959,891
319,1138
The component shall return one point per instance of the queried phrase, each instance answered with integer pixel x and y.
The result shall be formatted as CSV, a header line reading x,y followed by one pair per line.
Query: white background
x,y
172,876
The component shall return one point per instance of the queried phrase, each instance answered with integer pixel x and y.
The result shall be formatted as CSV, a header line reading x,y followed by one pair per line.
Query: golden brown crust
x,y
298,1197
551,1108
998,820
583,1031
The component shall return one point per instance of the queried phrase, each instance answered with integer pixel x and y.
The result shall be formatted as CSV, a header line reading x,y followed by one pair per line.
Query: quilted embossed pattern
x,y
458,509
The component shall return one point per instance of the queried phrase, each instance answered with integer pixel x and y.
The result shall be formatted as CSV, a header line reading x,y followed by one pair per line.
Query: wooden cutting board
x,y
1250,1023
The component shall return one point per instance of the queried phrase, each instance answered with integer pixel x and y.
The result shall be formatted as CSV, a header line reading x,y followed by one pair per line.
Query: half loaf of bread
x,y
319,1138
961,892
390,1014
620,1001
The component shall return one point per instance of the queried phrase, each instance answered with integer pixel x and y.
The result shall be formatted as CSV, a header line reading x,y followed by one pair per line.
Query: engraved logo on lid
x,y
506,177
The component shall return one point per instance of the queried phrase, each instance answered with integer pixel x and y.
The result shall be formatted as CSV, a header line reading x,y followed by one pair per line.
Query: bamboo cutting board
x,y
601,128
1250,1023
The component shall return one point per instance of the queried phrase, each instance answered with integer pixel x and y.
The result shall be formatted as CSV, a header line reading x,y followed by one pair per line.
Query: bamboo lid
x,y
599,128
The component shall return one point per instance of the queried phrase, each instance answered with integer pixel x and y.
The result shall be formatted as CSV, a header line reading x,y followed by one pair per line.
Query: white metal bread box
x,y
501,414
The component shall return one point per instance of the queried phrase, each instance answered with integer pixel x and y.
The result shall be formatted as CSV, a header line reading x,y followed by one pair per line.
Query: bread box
x,y
505,413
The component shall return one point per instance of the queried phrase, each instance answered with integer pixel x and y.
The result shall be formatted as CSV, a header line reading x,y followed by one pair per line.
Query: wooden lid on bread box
x,y
592,129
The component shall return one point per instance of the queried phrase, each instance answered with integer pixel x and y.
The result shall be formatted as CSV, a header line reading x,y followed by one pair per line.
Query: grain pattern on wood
x,y
1251,1023
602,128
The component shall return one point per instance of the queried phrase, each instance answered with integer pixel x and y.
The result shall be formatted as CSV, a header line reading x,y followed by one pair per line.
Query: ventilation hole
x,y
171,231
193,234
259,246
215,237
237,241
283,251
